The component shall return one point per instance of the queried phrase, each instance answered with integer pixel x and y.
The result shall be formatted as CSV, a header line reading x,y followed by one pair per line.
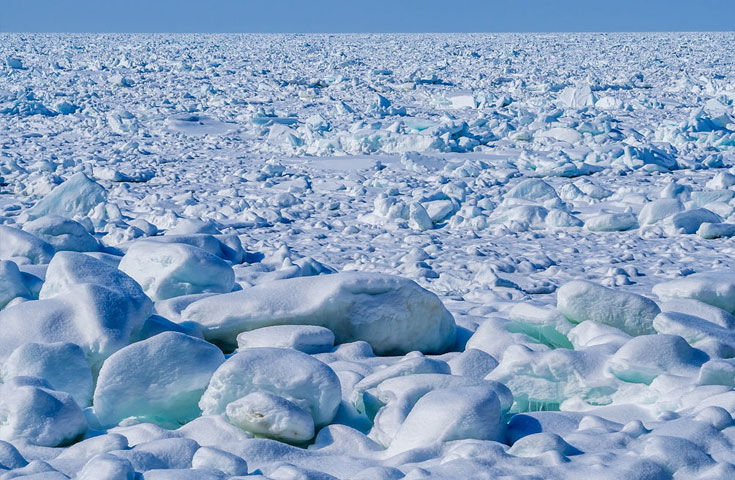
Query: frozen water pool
x,y
367,256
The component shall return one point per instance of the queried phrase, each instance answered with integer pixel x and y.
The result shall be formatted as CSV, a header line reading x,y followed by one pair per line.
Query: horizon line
x,y
535,32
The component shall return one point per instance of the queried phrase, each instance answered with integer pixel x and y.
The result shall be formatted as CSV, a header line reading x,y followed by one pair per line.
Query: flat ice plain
x,y
365,257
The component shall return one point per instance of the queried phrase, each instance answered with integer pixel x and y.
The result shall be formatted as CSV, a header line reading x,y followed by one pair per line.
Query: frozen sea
x,y
309,257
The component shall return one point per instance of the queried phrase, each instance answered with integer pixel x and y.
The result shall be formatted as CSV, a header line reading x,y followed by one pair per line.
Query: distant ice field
x,y
367,256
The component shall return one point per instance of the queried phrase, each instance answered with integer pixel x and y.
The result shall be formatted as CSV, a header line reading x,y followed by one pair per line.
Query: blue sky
x,y
364,16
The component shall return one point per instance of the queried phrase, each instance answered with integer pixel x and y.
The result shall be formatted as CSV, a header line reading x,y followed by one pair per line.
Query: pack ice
x,y
367,257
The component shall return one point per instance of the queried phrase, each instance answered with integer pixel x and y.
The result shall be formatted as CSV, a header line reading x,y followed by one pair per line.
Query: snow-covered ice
x,y
367,256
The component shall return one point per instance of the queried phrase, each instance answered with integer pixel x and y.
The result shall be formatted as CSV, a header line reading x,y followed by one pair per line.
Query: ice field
x,y
367,257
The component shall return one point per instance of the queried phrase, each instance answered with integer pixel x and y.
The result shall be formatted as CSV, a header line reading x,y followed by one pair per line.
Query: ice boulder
x,y
418,218
23,247
10,457
175,269
67,270
115,175
645,357
472,363
158,380
715,288
272,416
393,314
707,336
451,414
297,377
537,444
633,314
711,231
649,158
589,333
523,214
545,379
34,413
702,310
187,226
578,96
398,395
592,190
440,210
305,338
107,467
561,219
533,190
226,247
14,62
73,457
410,365
63,365
657,210
495,335
457,99
12,283
171,309
541,322
62,233
609,103
100,320
214,431
282,135
216,459
156,324
689,222
76,196
612,222
120,81
721,181
164,452
562,134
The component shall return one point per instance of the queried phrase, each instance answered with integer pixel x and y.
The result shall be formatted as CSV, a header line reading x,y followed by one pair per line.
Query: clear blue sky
x,y
365,15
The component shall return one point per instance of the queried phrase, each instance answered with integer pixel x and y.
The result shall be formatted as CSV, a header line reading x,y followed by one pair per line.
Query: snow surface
x,y
367,256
